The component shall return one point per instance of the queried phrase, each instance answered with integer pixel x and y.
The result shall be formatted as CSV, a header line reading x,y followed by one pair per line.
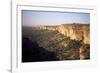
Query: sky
x,y
31,18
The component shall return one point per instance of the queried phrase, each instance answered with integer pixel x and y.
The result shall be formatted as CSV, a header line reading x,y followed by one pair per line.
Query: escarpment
x,y
76,31
74,38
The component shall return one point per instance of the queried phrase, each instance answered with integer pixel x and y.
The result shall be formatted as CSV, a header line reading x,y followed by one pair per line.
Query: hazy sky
x,y
31,17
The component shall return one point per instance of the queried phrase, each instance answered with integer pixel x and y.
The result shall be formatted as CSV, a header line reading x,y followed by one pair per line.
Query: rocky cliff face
x,y
76,31
75,44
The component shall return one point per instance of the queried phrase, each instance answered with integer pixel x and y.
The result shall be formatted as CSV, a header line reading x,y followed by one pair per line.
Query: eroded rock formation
x,y
76,31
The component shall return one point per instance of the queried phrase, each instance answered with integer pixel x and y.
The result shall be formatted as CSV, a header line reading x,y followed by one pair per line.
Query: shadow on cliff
x,y
31,52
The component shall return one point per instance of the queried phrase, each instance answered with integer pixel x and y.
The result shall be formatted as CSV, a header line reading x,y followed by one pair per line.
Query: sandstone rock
x,y
76,31
84,51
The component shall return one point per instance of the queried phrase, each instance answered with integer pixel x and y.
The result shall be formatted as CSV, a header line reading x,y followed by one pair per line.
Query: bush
x,y
66,38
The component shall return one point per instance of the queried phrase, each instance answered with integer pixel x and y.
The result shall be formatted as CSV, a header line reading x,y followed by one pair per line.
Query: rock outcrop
x,y
84,51
76,31
80,32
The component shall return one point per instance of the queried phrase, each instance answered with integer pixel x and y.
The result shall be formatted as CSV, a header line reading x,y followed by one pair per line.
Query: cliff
x,y
75,46
76,31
